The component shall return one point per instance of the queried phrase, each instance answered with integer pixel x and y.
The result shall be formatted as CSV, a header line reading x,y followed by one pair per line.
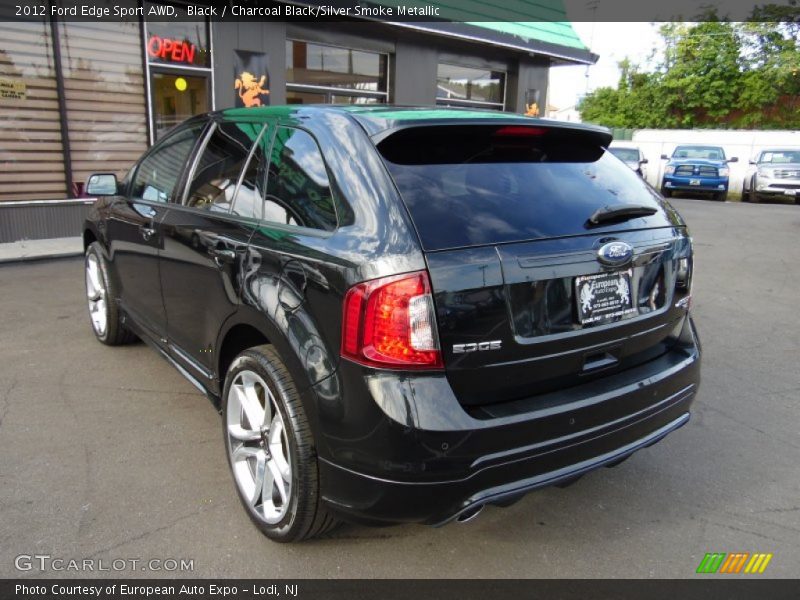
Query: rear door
x,y
205,240
525,302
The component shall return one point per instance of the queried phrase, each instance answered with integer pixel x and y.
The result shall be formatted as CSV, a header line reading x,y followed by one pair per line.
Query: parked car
x,y
402,314
697,169
776,174
631,156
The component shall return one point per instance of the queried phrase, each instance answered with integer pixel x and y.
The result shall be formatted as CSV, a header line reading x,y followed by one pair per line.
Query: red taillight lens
x,y
390,322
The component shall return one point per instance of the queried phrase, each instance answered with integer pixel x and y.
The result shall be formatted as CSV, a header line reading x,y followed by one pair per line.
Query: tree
x,y
712,74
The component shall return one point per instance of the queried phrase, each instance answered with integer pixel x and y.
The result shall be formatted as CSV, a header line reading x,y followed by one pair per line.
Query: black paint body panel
x,y
401,446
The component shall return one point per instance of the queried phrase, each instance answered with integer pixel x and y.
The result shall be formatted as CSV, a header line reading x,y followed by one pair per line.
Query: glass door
x,y
176,97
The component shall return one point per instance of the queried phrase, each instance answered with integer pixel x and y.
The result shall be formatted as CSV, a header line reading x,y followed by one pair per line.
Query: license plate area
x,y
694,182
604,296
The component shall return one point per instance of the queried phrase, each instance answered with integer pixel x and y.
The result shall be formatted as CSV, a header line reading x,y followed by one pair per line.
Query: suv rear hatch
x,y
512,220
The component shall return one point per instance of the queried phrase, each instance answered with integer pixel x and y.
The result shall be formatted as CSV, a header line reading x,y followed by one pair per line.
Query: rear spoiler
x,y
593,134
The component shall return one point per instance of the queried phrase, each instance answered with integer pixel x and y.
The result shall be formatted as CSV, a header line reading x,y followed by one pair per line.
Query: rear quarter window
x,y
477,185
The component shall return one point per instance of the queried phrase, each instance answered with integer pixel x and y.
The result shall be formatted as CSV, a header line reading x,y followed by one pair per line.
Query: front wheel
x,y
270,448
101,294
721,196
665,192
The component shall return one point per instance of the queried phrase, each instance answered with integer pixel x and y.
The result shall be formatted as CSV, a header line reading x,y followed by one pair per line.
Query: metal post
x,y
62,105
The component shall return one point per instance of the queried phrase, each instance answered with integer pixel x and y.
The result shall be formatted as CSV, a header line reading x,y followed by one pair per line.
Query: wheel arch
x,y
237,338
88,238
246,329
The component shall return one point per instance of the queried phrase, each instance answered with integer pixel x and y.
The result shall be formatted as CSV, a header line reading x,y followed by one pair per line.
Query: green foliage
x,y
713,74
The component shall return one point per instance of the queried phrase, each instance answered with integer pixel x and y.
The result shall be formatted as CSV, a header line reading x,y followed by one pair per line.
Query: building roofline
x,y
474,33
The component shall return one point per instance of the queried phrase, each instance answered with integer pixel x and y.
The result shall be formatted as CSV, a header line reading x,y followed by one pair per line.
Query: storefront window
x,y
316,73
293,97
179,67
176,97
466,86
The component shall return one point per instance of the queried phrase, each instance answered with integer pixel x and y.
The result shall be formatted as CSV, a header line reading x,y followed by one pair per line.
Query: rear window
x,y
475,185
626,154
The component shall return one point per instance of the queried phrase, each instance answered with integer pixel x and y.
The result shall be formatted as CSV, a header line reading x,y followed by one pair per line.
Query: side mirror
x,y
643,161
664,157
752,162
733,159
101,184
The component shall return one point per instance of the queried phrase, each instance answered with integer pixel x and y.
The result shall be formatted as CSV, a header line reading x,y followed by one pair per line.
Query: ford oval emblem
x,y
615,254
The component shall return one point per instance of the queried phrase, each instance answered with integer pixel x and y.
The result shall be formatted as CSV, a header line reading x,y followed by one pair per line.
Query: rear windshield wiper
x,y
619,212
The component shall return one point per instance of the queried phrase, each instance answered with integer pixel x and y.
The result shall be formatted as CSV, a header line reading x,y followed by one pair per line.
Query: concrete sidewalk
x,y
40,249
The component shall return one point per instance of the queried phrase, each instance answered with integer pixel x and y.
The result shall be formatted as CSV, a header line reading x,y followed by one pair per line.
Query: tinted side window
x,y
298,190
249,200
217,173
158,174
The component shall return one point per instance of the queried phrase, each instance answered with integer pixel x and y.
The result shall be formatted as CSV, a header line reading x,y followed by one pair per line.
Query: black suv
x,y
403,314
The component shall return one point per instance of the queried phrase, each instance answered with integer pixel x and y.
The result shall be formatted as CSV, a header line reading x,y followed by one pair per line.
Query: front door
x,y
134,228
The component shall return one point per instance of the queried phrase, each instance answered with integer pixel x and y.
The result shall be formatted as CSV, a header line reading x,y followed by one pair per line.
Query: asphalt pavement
x,y
108,454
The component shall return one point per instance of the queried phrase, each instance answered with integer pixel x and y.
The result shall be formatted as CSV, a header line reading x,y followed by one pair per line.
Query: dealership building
x,y
78,97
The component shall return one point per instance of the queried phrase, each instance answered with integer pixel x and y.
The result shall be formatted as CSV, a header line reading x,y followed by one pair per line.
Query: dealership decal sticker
x,y
734,563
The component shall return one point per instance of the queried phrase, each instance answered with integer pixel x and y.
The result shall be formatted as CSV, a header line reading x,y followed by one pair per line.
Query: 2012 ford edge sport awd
x,y
403,314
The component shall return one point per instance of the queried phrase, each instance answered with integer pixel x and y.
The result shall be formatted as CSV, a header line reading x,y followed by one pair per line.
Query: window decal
x,y
251,79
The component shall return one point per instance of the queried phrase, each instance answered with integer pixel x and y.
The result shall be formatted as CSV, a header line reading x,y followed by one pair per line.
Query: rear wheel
x,y
270,448
101,294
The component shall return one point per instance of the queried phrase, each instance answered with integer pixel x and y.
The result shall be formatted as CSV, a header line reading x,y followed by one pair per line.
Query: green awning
x,y
539,26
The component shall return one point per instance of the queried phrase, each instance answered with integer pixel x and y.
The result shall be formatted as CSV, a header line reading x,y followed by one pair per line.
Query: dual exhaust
x,y
465,516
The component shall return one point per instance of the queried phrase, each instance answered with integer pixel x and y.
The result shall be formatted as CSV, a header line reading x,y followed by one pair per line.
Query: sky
x,y
613,42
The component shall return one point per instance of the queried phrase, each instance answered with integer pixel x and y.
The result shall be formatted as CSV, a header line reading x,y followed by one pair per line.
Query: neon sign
x,y
170,50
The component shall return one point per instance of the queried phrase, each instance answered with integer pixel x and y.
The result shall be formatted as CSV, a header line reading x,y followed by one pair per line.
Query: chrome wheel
x,y
259,447
96,294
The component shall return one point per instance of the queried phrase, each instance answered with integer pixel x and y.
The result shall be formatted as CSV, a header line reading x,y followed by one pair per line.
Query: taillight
x,y
683,276
683,282
390,323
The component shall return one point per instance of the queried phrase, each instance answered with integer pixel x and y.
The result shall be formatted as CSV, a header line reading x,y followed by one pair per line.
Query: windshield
x,y
707,152
780,156
467,186
625,154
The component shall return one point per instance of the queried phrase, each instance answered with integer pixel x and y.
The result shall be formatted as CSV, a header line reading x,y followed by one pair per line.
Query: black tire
x,y
745,195
305,514
666,193
114,333
721,196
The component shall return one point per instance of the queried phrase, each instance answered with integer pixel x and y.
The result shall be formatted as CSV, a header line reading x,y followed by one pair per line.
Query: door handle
x,y
147,233
222,256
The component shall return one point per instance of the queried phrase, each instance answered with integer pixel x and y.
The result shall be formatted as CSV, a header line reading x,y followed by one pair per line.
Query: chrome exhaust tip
x,y
469,514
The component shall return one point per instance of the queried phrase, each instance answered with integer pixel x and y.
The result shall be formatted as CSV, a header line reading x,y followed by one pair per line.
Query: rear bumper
x,y
430,472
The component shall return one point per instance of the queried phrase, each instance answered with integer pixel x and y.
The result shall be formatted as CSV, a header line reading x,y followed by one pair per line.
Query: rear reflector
x,y
390,323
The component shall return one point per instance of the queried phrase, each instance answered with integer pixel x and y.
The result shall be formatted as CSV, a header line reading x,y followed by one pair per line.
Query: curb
x,y
37,257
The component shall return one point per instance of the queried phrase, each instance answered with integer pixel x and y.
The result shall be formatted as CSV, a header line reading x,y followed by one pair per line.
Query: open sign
x,y
171,50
